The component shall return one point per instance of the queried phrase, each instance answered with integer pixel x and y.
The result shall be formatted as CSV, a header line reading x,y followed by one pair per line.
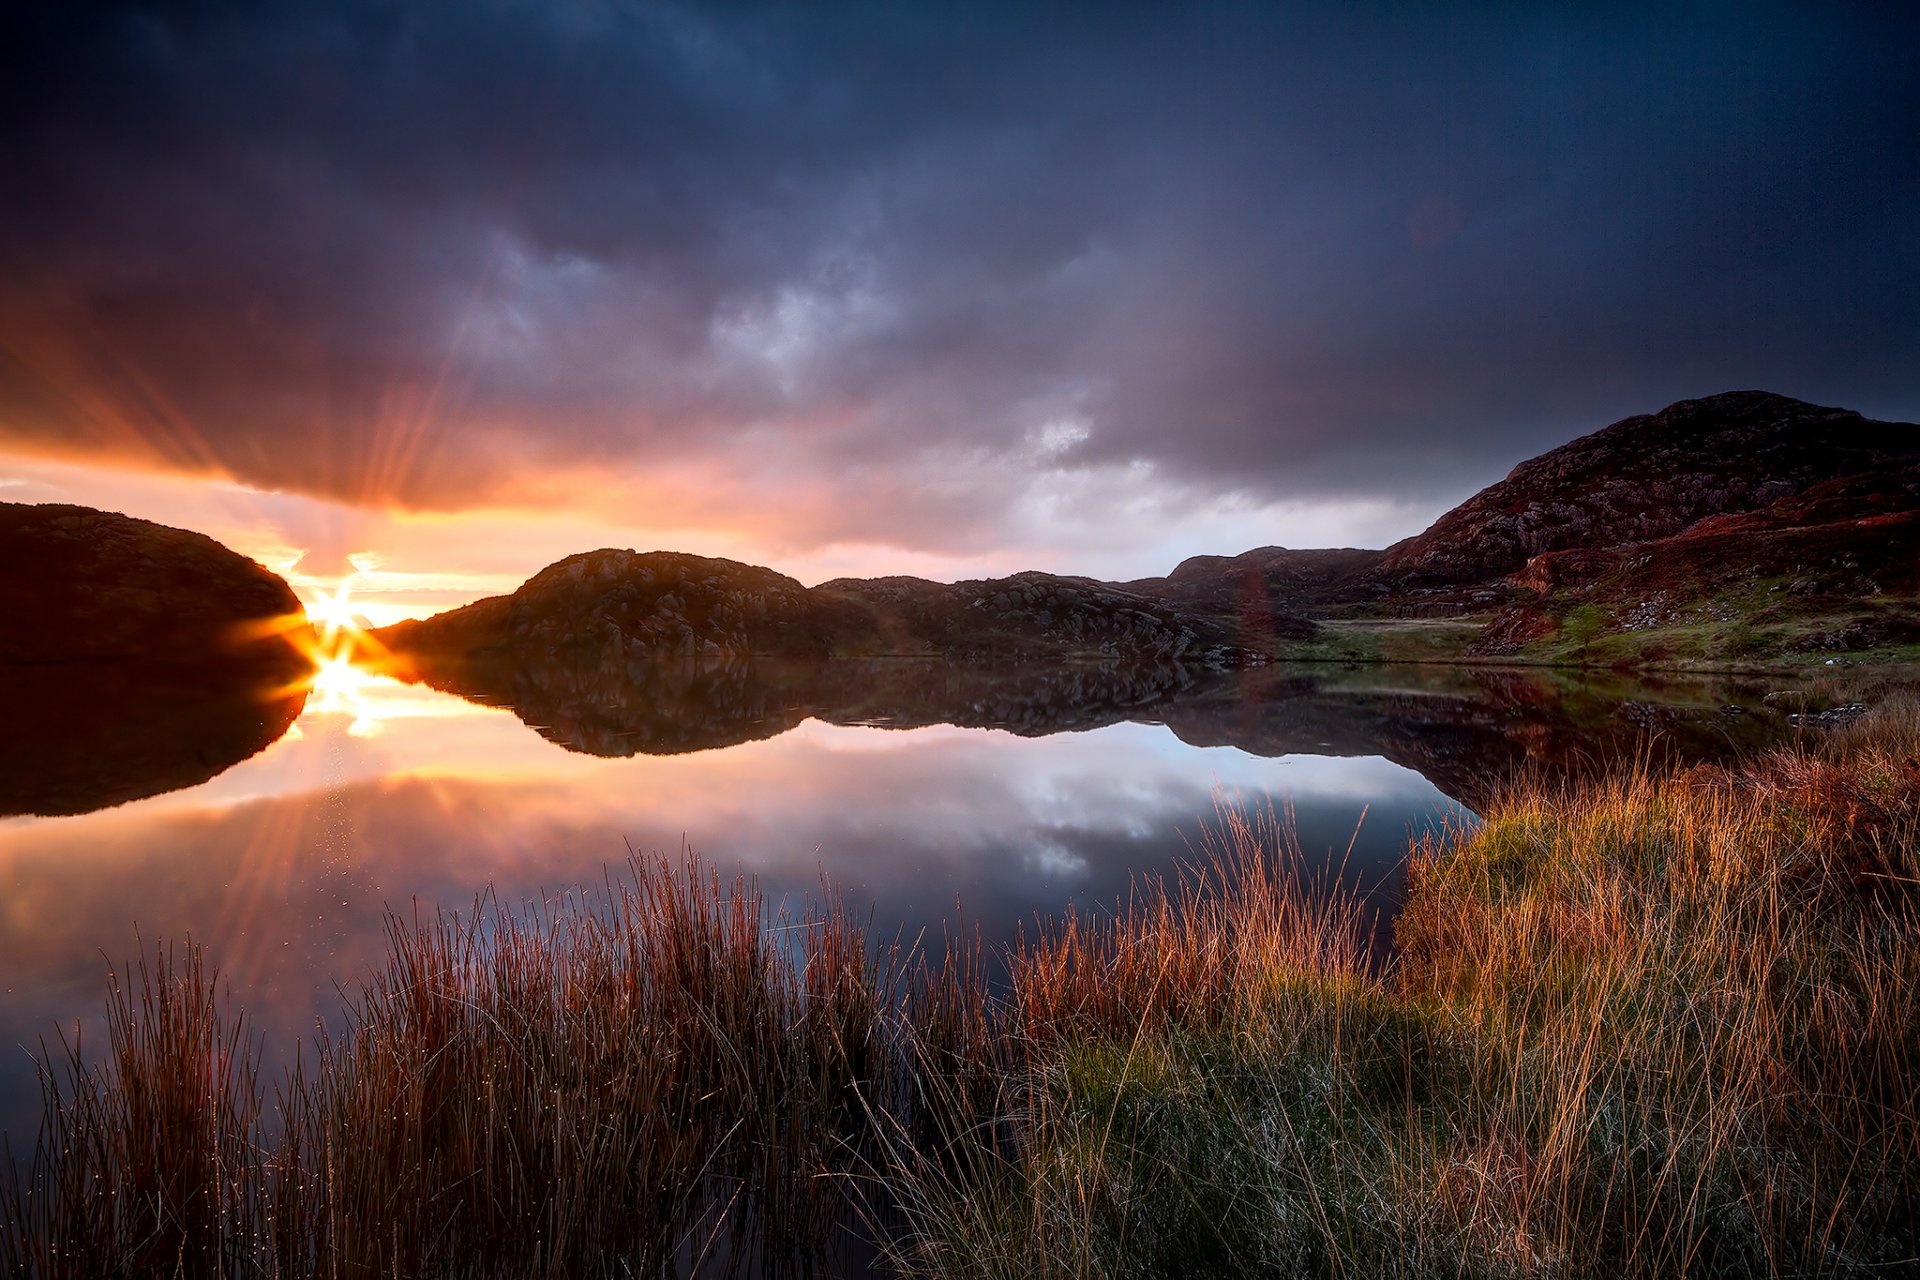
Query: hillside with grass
x,y
1739,530
1832,571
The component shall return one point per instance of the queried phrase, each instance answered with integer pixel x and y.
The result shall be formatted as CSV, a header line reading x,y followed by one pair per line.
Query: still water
x,y
949,800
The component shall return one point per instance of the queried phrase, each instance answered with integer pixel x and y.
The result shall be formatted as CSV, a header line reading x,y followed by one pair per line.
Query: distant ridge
x,y
626,605
1550,537
1642,479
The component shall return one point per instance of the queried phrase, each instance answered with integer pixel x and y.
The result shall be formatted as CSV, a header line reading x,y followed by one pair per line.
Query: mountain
x,y
1645,478
616,606
86,585
1740,524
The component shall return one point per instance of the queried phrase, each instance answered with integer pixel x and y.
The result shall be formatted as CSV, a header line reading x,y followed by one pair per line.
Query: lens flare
x,y
346,659
333,613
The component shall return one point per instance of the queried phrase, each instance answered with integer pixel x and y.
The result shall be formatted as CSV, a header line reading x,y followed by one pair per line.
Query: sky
x,y
445,291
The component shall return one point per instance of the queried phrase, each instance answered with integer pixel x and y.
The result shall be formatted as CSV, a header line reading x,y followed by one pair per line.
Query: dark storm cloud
x,y
433,253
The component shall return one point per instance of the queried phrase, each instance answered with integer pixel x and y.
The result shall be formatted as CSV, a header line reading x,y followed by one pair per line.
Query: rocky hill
x,y
1835,568
1740,525
1646,478
618,605
658,605
1276,580
86,585
1032,616
1647,518
134,658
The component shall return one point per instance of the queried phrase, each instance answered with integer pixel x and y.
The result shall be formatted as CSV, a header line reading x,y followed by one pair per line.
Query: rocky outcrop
x,y
134,658
619,606
1732,487
624,604
1561,517
1845,550
1646,478
85,585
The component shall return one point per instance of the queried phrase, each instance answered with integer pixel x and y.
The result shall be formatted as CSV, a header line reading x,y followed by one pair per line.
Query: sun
x,y
334,612
345,660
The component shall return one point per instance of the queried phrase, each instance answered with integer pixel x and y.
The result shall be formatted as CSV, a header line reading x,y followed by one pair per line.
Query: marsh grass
x,y
668,1077
1659,1024
1663,1024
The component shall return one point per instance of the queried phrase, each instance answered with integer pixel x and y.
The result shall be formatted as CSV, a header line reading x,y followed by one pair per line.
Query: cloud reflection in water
x,y
285,865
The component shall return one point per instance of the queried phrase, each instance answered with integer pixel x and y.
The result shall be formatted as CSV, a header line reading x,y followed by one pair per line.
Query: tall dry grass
x,y
670,1077
148,1165
1663,1024
1690,1007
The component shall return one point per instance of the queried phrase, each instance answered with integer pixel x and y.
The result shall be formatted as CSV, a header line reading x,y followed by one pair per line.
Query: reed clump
x,y
1666,1024
1662,1024
667,1077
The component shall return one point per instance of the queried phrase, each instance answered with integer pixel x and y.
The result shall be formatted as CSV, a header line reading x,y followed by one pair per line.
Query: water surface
x,y
930,798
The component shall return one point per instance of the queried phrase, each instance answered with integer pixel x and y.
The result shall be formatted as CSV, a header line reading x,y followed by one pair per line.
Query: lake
x,y
932,798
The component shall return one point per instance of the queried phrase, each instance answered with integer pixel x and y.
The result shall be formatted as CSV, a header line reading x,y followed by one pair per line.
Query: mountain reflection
x,y
85,736
1467,730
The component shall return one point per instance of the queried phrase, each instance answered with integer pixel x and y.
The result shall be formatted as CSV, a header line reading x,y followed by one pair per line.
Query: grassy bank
x,y
1666,1025
1588,639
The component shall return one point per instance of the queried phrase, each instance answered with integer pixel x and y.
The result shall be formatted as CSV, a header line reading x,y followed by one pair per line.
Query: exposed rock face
x,y
1837,549
615,606
84,585
1645,478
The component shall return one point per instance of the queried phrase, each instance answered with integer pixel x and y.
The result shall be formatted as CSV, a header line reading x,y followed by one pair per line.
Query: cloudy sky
x,y
944,289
